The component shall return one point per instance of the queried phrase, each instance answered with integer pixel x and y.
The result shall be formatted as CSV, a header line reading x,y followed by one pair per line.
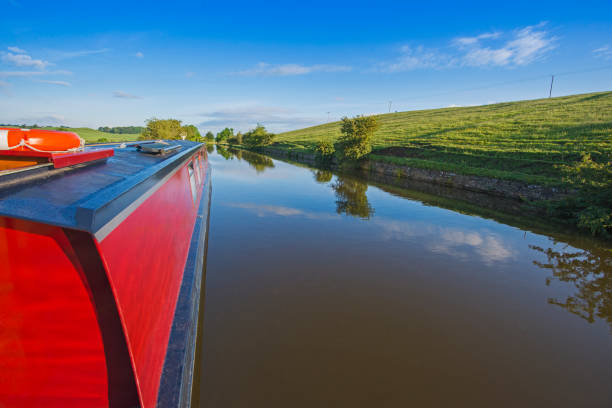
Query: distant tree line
x,y
34,126
256,137
121,129
170,129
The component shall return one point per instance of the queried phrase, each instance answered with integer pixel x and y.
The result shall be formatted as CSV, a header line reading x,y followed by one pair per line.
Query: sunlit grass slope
x,y
525,140
93,136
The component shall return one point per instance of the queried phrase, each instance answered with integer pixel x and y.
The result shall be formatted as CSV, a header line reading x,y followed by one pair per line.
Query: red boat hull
x,y
87,317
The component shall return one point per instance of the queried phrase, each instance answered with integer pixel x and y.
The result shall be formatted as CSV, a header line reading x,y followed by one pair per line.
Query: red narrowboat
x,y
102,256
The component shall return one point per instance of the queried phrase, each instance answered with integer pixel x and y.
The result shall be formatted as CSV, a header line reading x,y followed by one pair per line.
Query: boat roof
x,y
86,197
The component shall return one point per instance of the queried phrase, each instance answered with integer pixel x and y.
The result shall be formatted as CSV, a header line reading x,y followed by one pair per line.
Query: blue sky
x,y
287,64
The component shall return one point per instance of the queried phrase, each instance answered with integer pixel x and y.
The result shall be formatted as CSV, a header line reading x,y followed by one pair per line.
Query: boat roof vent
x,y
158,147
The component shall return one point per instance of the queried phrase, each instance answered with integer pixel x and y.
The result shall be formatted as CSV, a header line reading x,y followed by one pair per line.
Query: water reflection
x,y
225,153
589,272
210,148
257,161
351,198
428,302
323,176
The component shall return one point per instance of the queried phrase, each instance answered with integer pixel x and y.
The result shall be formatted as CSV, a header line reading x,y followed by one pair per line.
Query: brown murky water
x,y
324,291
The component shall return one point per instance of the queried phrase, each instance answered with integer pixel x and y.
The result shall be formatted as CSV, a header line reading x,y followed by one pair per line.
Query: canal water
x,y
325,291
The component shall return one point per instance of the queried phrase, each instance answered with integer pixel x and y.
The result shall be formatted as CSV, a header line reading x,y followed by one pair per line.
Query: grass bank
x,y
95,136
563,142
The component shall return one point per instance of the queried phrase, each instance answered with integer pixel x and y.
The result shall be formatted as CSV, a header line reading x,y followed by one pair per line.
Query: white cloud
x,y
526,46
292,69
453,242
139,55
604,52
17,50
60,83
125,95
518,48
247,116
24,60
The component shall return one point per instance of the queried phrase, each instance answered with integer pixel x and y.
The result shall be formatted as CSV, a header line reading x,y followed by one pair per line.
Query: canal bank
x,y
399,175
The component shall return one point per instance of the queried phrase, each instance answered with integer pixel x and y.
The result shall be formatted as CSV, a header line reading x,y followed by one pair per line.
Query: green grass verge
x,y
564,141
95,136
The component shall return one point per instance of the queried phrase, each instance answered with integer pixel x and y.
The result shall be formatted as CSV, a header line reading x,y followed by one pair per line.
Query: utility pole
x,y
390,106
552,79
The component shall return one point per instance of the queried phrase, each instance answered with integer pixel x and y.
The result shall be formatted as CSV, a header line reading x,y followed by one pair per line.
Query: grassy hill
x,y
93,136
524,140
565,141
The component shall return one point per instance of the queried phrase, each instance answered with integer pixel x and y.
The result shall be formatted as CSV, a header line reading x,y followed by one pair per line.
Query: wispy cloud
x,y
245,117
465,41
17,50
23,60
139,55
604,52
81,53
495,49
291,69
418,58
125,95
32,73
42,119
263,210
51,82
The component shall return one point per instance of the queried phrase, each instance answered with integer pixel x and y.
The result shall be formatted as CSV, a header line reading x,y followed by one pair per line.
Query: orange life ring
x,y
40,140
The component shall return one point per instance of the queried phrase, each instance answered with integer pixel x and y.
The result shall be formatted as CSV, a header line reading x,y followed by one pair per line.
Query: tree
x,y
357,135
210,136
225,134
192,133
162,129
258,137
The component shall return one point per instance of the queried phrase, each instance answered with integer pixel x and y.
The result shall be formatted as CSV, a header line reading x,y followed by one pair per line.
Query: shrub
x,y
325,149
357,135
258,137
591,206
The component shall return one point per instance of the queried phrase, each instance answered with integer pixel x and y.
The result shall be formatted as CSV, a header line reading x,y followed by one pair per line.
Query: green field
x,y
564,141
517,140
94,136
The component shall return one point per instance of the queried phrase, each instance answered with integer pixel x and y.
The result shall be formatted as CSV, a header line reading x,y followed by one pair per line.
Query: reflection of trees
x,y
210,148
226,154
258,161
351,198
590,272
323,176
